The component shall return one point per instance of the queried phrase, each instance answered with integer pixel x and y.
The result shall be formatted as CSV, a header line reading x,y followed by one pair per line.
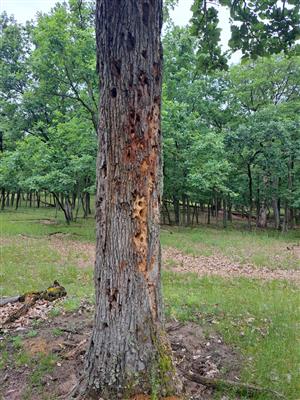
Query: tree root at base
x,y
78,392
241,388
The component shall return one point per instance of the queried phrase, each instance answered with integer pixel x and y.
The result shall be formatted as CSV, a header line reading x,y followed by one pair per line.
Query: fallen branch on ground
x,y
241,388
10,300
29,299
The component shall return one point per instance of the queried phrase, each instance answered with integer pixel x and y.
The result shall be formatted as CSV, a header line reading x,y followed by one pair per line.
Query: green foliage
x,y
64,57
264,27
259,27
48,101
205,27
230,135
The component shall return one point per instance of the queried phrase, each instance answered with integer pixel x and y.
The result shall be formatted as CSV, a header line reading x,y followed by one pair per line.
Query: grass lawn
x,y
261,319
260,248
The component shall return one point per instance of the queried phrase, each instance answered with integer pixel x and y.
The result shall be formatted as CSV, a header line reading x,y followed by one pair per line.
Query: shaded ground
x,y
59,344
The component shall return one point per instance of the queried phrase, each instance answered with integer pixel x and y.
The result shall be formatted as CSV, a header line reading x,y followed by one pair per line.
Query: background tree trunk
x,y
127,343
229,210
18,199
208,213
2,199
176,210
224,213
276,213
262,219
250,184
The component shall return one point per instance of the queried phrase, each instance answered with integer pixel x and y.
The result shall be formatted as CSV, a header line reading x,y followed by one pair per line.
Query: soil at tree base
x,y
193,350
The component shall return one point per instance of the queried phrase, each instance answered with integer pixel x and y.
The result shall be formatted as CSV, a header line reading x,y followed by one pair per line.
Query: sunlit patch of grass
x,y
260,318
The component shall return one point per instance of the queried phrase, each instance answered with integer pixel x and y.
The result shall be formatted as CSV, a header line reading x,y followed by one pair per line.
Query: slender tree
x,y
128,352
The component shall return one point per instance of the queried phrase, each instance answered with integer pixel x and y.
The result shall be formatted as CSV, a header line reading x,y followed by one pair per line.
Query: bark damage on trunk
x,y
128,351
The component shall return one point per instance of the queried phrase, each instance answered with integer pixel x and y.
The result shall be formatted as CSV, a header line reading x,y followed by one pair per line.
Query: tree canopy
x,y
230,132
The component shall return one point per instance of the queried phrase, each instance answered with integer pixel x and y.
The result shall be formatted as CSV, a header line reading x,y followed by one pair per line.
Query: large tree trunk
x,y
128,351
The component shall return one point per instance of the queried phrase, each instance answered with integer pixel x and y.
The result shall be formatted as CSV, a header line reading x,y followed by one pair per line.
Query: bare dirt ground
x,y
193,350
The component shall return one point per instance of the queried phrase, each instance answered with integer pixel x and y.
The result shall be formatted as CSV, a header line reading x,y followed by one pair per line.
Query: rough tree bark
x,y
128,351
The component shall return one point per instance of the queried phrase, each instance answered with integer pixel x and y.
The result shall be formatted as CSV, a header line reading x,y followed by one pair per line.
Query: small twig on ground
x,y
80,348
70,330
29,302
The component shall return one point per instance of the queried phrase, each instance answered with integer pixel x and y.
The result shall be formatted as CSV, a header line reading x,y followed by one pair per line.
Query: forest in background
x,y
231,137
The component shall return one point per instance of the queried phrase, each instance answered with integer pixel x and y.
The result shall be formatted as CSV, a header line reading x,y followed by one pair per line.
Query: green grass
x,y
261,248
41,366
261,319
44,365
30,271
29,262
57,332
42,222
4,356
